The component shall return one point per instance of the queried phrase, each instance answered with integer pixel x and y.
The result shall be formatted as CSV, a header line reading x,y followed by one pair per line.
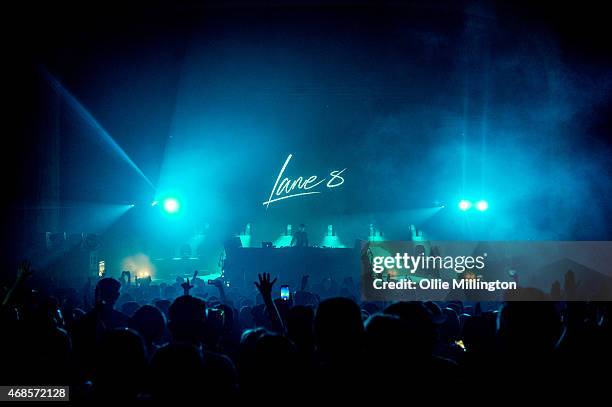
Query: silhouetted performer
x,y
300,238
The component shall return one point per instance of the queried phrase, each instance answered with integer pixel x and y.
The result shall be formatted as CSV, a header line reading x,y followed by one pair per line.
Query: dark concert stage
x,y
242,264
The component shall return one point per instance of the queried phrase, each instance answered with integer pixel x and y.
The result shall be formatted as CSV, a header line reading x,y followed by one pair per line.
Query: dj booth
x,y
289,264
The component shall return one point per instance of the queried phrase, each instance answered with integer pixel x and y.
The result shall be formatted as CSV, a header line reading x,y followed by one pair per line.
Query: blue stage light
x,y
171,205
482,205
464,205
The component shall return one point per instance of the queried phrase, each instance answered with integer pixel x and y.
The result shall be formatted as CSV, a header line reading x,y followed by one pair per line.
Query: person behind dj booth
x,y
300,238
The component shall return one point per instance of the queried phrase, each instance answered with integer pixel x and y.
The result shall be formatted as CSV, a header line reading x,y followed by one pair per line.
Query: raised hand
x,y
265,288
265,285
128,277
24,270
219,283
186,286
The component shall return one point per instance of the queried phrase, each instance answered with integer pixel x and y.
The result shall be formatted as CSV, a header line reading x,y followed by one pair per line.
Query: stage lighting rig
x,y
481,205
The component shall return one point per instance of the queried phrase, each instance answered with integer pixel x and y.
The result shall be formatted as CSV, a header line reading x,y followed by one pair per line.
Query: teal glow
x,y
464,205
283,241
171,205
245,240
482,205
332,241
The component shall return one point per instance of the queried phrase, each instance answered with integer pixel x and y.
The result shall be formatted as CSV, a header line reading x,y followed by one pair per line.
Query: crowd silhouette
x,y
134,340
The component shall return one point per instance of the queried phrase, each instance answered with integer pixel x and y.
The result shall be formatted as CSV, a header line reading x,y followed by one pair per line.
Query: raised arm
x,y
24,271
220,284
265,288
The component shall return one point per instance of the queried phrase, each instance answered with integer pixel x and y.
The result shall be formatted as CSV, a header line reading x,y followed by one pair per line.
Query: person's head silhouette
x,y
149,322
107,292
187,320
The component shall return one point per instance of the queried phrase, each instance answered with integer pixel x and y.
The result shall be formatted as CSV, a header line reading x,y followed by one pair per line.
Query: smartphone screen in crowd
x,y
284,292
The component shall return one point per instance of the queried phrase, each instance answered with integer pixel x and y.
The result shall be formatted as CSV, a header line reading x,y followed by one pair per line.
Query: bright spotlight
x,y
464,205
482,205
171,205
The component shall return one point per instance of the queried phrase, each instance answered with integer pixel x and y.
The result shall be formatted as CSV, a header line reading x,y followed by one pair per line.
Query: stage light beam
x,y
77,107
